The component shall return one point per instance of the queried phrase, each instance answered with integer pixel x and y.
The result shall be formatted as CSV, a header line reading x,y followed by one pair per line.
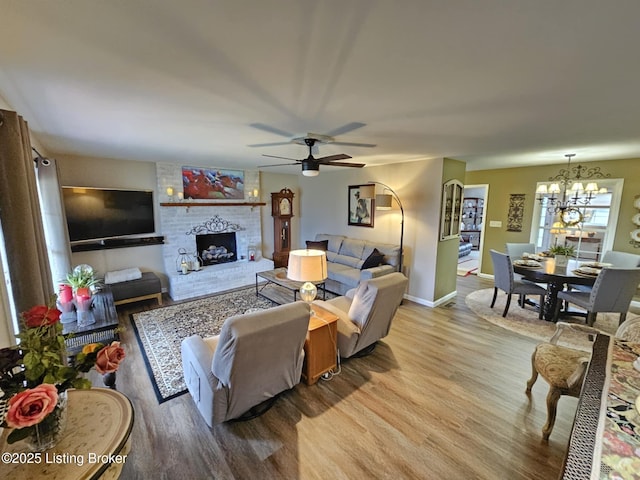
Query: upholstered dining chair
x,y
616,259
257,356
612,292
503,278
517,250
563,368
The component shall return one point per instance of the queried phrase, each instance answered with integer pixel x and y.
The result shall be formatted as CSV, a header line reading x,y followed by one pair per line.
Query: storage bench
x,y
144,288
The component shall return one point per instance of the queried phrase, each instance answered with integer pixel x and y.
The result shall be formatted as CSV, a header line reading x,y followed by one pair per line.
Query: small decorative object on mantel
x,y
35,376
635,234
516,212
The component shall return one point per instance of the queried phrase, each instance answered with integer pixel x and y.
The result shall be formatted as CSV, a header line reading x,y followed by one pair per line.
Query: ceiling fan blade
x,y
269,144
349,127
352,144
270,129
343,164
278,165
283,158
331,158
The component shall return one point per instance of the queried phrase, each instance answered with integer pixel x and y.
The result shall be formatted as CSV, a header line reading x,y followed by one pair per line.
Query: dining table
x,y
556,278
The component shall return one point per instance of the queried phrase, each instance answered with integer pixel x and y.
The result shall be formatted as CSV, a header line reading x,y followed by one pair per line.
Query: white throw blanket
x,y
125,275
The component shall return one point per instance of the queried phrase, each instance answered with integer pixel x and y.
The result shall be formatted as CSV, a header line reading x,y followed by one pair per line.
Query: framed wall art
x,y
516,212
361,205
212,184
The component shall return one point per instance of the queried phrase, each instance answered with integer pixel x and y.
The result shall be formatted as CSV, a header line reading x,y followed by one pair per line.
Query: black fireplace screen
x,y
215,248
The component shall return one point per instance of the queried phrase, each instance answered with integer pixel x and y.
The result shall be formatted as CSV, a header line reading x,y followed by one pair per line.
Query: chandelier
x,y
566,192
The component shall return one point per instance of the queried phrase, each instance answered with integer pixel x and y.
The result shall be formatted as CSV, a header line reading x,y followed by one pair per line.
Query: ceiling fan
x,y
311,165
301,139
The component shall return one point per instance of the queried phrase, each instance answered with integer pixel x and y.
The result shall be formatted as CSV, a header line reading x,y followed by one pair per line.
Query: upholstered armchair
x,y
563,368
257,356
365,313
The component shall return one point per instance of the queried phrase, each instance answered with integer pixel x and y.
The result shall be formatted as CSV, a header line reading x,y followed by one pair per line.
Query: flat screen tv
x,y
100,213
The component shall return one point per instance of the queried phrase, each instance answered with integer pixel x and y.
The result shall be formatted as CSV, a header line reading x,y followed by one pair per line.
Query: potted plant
x,y
81,280
562,254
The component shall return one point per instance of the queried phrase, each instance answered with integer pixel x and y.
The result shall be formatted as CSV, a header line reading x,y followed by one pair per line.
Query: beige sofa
x,y
346,257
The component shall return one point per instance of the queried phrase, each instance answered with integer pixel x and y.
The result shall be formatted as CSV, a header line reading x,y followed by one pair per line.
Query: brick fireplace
x,y
183,226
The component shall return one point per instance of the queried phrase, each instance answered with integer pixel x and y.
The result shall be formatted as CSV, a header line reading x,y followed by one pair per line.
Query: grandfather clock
x,y
281,211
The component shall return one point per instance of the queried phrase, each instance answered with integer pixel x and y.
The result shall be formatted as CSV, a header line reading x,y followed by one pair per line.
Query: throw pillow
x,y
319,245
373,260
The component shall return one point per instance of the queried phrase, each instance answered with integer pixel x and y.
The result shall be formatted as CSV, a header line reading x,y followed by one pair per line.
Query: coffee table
x,y
279,277
104,330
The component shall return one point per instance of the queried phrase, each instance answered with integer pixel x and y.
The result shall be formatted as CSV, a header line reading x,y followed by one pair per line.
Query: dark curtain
x,y
20,218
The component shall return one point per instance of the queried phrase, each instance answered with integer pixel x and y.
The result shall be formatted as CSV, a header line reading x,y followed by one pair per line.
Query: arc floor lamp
x,y
383,202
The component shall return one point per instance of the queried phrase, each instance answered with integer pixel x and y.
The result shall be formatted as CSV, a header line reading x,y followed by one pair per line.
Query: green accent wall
x,y
447,257
505,181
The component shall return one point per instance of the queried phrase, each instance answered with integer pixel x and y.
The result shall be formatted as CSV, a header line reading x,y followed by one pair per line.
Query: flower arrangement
x,y
35,374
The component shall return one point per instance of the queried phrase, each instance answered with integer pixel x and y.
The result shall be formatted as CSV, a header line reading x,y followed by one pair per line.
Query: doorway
x,y
472,229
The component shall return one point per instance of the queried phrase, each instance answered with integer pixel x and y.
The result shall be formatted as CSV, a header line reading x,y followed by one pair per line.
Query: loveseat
x,y
351,260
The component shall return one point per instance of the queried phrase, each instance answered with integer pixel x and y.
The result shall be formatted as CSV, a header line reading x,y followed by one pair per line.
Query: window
x,y
590,237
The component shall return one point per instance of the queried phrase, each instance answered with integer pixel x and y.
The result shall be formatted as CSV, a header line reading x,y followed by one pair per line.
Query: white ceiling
x,y
491,82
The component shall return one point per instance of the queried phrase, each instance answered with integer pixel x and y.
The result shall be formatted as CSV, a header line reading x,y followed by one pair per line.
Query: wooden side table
x,y
94,443
321,345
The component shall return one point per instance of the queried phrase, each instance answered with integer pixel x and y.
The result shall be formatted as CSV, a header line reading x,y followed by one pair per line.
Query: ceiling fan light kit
x,y
310,168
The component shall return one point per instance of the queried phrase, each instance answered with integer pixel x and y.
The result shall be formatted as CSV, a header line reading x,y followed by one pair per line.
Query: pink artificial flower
x,y
109,358
30,406
41,315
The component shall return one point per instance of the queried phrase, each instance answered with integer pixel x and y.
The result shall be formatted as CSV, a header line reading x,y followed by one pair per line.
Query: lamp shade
x,y
383,202
307,265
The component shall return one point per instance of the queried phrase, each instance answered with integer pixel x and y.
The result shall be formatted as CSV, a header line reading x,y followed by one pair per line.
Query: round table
x,y
94,443
556,278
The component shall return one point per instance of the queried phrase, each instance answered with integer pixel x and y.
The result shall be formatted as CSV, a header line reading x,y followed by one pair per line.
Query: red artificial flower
x,y
41,315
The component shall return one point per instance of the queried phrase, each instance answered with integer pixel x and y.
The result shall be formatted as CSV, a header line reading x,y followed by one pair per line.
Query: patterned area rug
x,y
160,332
525,321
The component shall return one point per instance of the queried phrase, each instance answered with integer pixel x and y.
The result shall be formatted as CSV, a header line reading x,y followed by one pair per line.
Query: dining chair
x,y
612,292
503,278
616,259
517,250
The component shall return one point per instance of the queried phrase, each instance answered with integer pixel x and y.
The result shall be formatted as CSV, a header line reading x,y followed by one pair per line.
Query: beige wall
x,y
324,210
505,181
108,173
447,255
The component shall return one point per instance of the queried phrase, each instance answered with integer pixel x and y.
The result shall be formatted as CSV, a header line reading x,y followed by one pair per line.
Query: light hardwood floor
x,y
442,397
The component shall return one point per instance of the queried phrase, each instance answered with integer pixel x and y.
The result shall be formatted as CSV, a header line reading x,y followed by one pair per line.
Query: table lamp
x,y
307,266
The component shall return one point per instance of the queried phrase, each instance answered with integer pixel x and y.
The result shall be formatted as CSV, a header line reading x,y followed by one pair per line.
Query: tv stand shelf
x,y
117,243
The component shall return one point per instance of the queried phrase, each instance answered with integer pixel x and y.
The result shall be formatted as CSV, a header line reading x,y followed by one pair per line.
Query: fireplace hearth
x,y
216,248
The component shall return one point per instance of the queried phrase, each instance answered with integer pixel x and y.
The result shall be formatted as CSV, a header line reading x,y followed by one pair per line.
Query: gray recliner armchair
x,y
365,312
257,356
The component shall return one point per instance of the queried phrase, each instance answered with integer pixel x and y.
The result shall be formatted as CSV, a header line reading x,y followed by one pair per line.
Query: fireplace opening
x,y
216,248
